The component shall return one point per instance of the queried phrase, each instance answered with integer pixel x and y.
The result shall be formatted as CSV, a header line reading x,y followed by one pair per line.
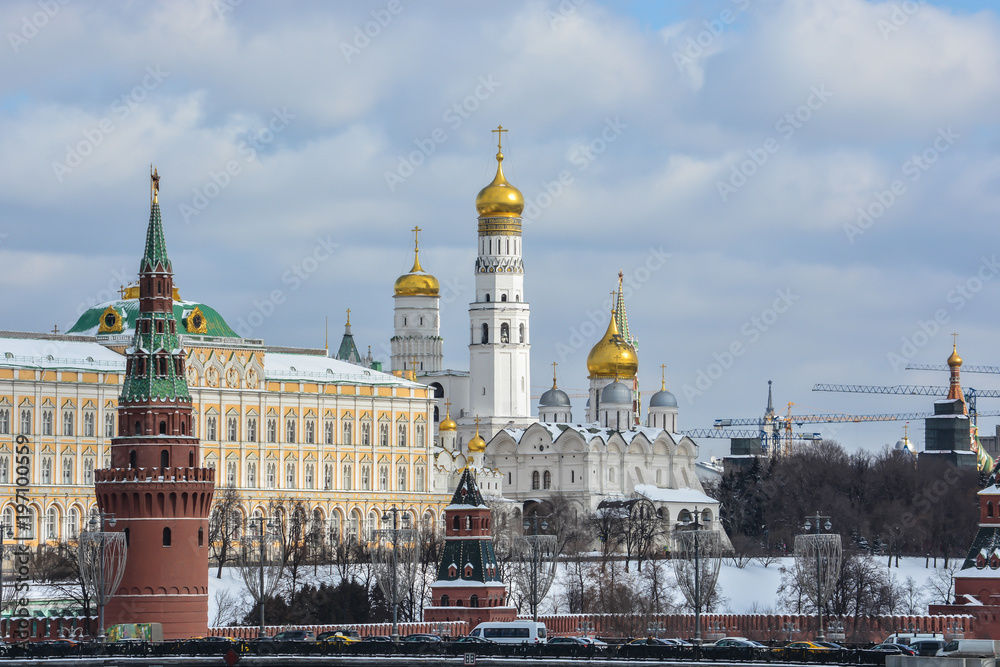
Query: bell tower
x,y
154,487
500,341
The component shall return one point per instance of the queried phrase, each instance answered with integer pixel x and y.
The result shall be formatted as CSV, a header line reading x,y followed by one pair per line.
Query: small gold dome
x,y
954,361
500,199
416,282
612,356
477,444
447,424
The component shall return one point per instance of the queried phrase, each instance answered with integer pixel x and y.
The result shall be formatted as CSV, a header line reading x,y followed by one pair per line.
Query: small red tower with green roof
x,y
154,487
468,586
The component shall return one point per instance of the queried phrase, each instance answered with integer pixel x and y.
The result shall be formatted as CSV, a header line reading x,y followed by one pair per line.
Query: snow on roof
x,y
686,496
590,431
54,353
316,368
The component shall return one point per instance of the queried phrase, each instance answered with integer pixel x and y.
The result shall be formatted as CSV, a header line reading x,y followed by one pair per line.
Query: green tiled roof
x,y
156,247
90,321
467,492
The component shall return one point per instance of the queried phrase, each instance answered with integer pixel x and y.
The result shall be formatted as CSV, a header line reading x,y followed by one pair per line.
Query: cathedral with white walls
x,y
485,417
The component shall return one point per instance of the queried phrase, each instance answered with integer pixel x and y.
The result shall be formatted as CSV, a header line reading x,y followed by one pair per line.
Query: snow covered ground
x,y
751,589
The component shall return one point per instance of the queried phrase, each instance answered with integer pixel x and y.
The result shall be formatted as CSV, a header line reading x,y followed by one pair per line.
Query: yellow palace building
x,y
342,438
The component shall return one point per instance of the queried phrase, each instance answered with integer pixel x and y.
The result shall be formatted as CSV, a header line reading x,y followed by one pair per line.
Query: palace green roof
x,y
128,309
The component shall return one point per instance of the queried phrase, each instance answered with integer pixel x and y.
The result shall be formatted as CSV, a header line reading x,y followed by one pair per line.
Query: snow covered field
x,y
752,589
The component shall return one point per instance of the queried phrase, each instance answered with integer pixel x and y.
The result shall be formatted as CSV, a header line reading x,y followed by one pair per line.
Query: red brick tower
x,y
468,586
154,487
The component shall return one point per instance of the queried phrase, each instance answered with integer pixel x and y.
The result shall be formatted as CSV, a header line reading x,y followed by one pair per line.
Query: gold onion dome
x,y
499,198
613,355
477,444
954,361
447,424
416,282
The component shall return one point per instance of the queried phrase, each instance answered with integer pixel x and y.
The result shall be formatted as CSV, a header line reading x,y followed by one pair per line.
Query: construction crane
x,y
915,390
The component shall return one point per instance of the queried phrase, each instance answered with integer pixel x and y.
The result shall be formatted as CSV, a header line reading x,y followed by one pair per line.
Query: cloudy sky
x,y
800,191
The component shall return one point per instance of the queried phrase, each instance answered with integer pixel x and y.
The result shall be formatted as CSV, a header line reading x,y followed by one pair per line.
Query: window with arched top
x,y
989,508
486,332
474,600
535,480
455,525
504,333
520,333
164,458
503,297
487,297
547,480
166,537
444,601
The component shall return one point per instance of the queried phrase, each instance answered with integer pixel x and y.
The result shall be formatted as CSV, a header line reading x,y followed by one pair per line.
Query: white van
x,y
511,632
970,648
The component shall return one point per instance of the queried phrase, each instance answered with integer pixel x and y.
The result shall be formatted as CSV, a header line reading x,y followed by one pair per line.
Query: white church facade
x,y
485,415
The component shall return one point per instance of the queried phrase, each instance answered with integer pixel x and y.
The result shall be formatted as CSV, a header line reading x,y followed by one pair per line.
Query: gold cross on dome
x,y
121,291
477,423
663,376
416,236
499,132
348,316
954,340
55,329
554,364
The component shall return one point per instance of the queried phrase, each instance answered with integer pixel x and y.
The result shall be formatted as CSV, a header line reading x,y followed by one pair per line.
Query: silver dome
x,y
663,399
554,398
616,393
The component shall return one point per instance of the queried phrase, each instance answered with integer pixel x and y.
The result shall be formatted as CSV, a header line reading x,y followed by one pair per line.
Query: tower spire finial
x,y
348,317
499,132
554,364
416,250
154,185
663,377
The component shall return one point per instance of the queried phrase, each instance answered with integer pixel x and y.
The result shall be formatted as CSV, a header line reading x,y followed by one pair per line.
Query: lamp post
x,y
264,529
394,565
695,525
819,525
97,522
535,543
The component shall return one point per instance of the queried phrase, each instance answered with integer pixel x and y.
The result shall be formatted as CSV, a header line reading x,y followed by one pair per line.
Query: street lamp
x,y
393,564
96,524
270,526
696,555
539,545
820,523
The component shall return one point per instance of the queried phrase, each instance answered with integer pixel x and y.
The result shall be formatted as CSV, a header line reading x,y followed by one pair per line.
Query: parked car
x,y
735,647
891,649
970,648
794,648
469,639
421,642
422,637
338,636
295,636
927,646
573,641
377,638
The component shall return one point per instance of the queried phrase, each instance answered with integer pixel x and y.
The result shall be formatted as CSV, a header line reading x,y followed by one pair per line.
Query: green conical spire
x,y
156,247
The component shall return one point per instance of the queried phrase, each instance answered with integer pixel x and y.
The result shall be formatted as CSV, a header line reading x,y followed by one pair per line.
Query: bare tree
x,y
940,586
224,525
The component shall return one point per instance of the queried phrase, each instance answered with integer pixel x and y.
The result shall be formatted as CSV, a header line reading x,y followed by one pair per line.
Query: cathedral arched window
x,y
547,480
520,333
535,480
503,297
486,330
504,333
